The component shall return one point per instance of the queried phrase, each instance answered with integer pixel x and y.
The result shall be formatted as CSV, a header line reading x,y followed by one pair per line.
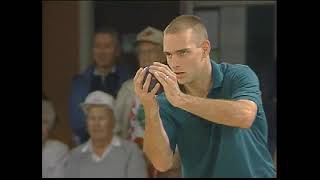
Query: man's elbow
x,y
246,124
161,164
163,167
248,113
248,120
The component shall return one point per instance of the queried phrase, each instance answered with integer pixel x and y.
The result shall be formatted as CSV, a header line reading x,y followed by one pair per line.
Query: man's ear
x,y
206,47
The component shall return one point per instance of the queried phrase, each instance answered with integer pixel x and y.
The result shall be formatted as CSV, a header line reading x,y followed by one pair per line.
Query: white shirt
x,y
88,147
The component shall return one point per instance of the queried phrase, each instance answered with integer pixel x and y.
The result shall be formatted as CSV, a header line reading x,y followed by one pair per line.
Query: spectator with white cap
x,y
104,154
54,152
128,109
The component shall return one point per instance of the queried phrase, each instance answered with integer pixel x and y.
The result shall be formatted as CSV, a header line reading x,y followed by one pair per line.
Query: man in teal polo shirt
x,y
212,112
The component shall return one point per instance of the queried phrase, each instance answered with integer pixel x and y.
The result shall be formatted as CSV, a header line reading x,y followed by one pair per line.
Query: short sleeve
x,y
245,85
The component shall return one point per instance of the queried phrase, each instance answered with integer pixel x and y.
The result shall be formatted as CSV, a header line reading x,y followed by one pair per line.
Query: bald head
x,y
186,22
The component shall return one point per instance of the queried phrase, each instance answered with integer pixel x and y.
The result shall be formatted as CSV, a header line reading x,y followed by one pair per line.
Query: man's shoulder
x,y
54,150
234,67
84,74
128,84
121,66
126,91
124,70
127,148
234,71
128,145
55,145
76,151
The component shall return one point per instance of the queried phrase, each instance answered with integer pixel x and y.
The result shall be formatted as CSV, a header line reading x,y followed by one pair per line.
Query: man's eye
x,y
183,53
169,55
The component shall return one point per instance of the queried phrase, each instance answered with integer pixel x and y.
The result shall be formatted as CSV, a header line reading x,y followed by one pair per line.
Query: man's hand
x,y
169,82
160,153
147,99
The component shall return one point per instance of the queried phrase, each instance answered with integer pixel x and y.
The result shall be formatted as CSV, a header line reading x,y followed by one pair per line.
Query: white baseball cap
x,y
98,98
150,34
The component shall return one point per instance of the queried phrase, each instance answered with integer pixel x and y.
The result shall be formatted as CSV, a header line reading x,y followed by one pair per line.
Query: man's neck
x,y
201,85
99,146
104,70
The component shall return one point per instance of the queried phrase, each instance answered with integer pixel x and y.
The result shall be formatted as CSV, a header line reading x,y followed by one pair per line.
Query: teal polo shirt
x,y
208,149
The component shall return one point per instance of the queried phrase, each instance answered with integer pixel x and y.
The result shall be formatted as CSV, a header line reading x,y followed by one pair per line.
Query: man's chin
x,y
182,81
98,138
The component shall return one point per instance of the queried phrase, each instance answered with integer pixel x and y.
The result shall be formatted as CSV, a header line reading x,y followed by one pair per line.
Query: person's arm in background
x,y
76,115
123,105
136,165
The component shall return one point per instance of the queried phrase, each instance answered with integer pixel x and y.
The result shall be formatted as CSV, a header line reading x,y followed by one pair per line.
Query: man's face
x,y
148,53
104,50
100,122
184,55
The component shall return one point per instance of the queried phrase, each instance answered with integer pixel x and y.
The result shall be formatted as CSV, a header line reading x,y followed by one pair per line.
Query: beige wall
x,y
60,32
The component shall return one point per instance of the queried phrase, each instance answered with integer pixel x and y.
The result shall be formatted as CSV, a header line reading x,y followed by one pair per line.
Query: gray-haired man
x,y
104,155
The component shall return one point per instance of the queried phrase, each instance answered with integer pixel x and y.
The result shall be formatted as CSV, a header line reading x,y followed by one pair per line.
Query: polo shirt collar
x,y
216,74
115,142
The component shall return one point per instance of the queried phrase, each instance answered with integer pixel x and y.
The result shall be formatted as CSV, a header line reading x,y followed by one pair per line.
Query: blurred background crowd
x,y
91,51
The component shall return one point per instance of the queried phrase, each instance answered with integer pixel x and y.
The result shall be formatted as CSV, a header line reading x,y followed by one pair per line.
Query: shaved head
x,y
186,22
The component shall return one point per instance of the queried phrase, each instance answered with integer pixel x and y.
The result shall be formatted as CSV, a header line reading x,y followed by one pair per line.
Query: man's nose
x,y
174,62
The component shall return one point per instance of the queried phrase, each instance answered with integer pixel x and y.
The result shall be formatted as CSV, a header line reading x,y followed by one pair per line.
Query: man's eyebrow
x,y
180,50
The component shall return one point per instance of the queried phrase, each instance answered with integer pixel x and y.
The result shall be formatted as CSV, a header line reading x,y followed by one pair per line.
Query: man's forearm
x,y
156,142
239,113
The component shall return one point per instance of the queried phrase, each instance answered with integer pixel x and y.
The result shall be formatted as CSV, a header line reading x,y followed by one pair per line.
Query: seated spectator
x,y
128,110
104,155
149,50
105,74
54,153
